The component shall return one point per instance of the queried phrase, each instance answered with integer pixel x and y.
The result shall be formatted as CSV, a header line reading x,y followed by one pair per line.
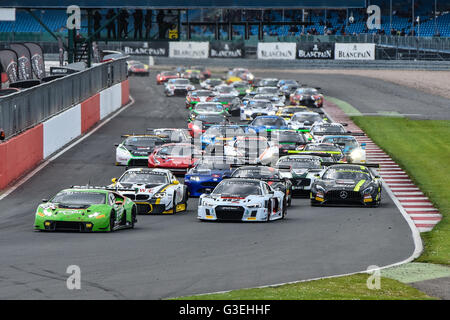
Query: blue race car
x,y
219,132
265,123
207,173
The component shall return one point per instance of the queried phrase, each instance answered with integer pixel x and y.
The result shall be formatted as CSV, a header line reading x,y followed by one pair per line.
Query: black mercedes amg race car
x,y
347,184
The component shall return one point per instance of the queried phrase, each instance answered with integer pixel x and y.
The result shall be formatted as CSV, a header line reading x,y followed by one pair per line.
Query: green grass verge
x,y
352,287
422,149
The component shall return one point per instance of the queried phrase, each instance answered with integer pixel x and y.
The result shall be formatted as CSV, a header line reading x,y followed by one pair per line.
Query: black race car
x,y
268,174
289,140
346,184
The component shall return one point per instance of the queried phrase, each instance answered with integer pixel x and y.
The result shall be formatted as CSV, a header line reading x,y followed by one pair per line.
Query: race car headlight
x,y
368,190
205,203
250,77
160,195
122,152
255,205
195,178
97,215
356,154
248,90
48,212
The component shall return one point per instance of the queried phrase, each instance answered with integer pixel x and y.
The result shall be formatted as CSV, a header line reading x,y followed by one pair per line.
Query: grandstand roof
x,y
184,4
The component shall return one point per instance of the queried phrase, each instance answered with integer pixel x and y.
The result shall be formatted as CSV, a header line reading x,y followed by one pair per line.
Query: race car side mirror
x,y
175,182
317,175
119,202
116,145
44,200
2,134
114,180
377,177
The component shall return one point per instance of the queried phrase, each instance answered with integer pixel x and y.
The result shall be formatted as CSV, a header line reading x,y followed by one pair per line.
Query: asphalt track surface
x,y
168,256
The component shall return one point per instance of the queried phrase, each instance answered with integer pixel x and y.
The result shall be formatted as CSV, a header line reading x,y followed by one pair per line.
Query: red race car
x,y
177,157
309,97
166,75
203,121
196,96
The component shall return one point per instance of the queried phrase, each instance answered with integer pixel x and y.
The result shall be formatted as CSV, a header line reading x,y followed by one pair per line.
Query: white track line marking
x,y
27,177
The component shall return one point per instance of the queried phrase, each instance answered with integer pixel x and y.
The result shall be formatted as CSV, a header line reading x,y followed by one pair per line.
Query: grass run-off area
x,y
422,149
339,288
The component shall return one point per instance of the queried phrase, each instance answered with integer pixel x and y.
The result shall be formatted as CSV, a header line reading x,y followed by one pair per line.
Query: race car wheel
x,y
290,199
185,200
133,216
112,218
284,212
174,210
269,210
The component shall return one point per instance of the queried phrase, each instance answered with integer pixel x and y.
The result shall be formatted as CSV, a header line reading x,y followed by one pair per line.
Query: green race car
x,y
86,209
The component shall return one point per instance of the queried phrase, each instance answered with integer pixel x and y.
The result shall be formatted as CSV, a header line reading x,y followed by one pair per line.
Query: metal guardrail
x,y
28,107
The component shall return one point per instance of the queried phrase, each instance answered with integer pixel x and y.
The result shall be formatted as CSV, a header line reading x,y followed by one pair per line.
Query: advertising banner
x,y
276,50
354,51
185,49
24,71
156,49
222,49
8,60
37,59
315,50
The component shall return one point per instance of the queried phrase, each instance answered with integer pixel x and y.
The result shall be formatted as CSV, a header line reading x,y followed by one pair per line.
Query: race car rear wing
x,y
316,153
368,165
162,136
348,133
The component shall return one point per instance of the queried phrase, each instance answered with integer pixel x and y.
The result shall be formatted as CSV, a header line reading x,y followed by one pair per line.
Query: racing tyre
x,y
133,217
269,210
112,218
285,205
174,210
290,199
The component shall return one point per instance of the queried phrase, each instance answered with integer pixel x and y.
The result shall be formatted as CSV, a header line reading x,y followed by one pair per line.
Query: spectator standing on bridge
x,y
160,21
97,21
123,23
138,17
148,23
111,27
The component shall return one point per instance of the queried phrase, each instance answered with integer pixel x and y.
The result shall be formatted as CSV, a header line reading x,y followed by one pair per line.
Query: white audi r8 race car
x,y
239,199
254,108
252,150
178,87
154,191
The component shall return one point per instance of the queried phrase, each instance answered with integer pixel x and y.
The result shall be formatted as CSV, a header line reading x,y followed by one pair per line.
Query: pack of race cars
x,y
250,145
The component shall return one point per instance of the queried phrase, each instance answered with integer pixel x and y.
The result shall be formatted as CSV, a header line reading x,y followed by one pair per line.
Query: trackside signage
x,y
195,50
354,51
220,49
315,50
156,49
276,50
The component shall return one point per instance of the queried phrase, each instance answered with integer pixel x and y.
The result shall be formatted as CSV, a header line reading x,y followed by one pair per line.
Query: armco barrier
x,y
20,154
23,152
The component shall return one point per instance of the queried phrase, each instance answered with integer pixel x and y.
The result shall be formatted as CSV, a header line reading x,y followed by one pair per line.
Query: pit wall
x,y
23,152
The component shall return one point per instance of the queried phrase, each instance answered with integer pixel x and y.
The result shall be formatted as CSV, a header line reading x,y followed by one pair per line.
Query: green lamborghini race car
x,y
85,209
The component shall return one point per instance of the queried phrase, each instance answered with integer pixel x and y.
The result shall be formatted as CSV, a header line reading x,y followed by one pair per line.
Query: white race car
x,y
153,190
252,149
254,108
302,174
277,101
239,199
305,119
354,151
178,87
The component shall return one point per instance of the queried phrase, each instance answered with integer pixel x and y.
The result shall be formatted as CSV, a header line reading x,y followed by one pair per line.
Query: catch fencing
x,y
28,107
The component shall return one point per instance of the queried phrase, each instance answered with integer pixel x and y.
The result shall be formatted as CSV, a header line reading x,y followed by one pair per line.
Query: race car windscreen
x,y
267,97
211,165
240,189
256,173
214,82
169,73
337,174
306,91
291,110
300,163
208,118
224,131
268,83
225,89
348,142
227,99
313,117
289,137
268,90
272,122
143,177
322,147
328,129
79,198
259,104
208,107
201,93
170,135
145,142
179,82
290,82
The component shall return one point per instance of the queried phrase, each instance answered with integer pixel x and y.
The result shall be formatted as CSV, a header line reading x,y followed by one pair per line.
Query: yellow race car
x,y
288,111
